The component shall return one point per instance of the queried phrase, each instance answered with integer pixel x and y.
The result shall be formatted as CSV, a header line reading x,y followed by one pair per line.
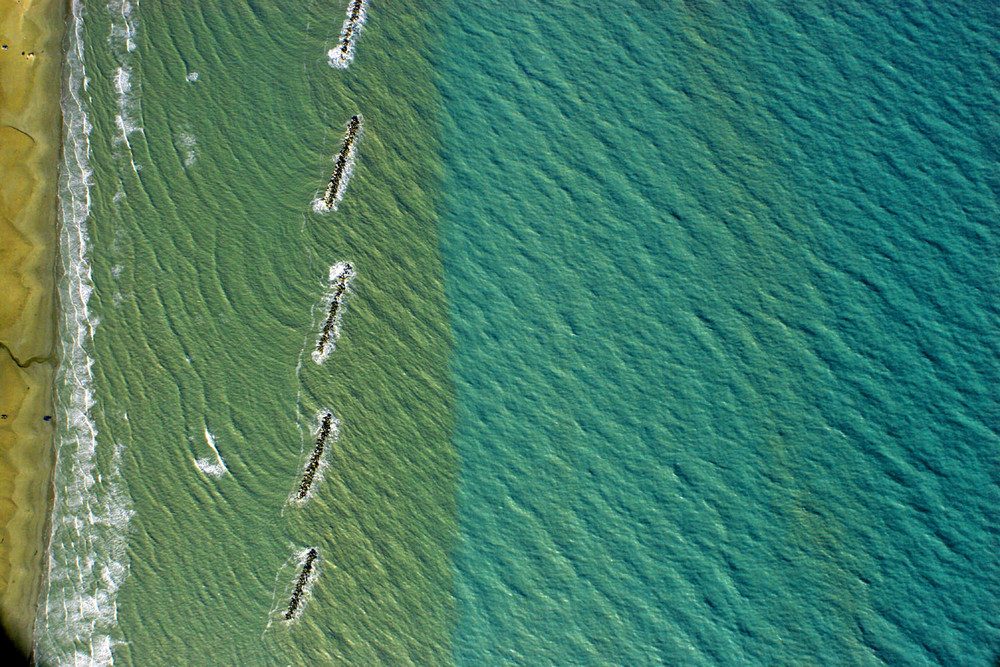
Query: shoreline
x,y
31,137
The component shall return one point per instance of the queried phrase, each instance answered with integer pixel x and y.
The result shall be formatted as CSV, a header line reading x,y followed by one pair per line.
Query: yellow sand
x,y
30,127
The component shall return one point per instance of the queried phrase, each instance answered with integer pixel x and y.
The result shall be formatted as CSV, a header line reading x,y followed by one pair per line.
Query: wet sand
x,y
30,128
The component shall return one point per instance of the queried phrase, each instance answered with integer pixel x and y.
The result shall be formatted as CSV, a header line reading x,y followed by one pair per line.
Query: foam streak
x,y
129,112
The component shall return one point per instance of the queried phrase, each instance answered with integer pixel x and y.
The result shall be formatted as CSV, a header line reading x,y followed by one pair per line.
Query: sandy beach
x,y
30,127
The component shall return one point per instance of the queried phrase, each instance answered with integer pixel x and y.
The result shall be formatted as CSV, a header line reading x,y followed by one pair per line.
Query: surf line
x,y
345,165
305,579
340,276
341,55
327,426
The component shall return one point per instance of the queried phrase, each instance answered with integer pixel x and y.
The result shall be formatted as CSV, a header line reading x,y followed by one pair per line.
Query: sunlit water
x,y
671,336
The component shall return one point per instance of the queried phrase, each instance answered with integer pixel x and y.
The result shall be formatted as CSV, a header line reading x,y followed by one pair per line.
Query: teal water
x,y
672,339
723,284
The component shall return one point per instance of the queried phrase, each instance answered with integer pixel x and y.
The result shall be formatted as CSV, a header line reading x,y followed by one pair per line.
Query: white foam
x,y
319,356
124,32
319,206
123,80
126,118
337,269
126,128
192,77
88,559
187,143
217,469
338,56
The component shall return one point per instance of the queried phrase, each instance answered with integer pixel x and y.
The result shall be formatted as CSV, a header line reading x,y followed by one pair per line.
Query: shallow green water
x,y
210,270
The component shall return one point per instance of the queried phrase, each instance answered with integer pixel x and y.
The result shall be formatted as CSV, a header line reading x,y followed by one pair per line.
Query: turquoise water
x,y
672,338
723,284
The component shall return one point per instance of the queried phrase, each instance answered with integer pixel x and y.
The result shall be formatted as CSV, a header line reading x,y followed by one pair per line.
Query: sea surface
x,y
673,336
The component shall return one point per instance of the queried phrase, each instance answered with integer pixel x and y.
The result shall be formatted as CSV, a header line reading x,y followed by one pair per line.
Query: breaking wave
x,y
122,41
206,465
88,559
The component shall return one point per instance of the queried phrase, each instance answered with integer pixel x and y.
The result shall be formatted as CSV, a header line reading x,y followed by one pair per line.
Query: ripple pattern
x,y
206,272
722,284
